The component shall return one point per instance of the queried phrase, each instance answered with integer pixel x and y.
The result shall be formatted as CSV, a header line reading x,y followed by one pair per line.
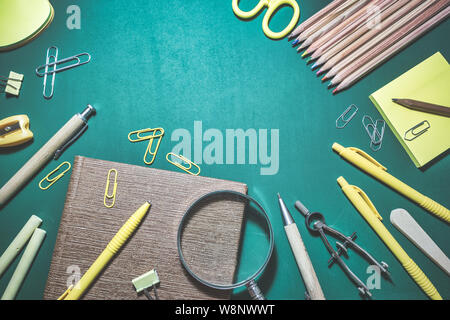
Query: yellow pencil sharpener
x,y
15,131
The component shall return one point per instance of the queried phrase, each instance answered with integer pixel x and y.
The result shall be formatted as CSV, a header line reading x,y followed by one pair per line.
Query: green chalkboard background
x,y
170,63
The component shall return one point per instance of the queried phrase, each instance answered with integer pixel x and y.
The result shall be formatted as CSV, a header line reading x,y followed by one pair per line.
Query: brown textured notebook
x,y
87,226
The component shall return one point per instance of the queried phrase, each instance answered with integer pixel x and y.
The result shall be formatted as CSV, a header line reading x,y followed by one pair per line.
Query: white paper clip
x,y
375,131
53,65
344,120
411,133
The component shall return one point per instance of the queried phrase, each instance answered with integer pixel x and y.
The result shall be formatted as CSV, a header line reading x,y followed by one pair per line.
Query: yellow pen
x,y
75,292
366,208
369,165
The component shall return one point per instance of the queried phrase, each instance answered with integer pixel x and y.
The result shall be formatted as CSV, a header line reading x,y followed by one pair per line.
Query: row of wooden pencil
x,y
349,38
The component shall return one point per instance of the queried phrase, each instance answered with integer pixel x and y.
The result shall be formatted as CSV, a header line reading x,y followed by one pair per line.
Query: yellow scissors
x,y
273,6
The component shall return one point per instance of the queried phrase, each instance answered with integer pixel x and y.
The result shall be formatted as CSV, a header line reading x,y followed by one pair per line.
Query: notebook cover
x,y
427,82
87,226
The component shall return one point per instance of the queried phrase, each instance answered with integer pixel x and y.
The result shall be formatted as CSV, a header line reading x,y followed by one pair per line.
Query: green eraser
x,y
146,280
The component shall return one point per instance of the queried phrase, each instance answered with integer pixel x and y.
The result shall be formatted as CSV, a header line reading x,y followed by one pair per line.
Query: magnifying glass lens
x,y
224,240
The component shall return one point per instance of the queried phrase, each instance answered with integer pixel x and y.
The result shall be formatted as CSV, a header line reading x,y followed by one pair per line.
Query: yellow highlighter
x,y
369,165
75,292
366,208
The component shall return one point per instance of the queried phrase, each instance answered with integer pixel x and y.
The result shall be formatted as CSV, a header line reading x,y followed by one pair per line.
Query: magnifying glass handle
x,y
254,291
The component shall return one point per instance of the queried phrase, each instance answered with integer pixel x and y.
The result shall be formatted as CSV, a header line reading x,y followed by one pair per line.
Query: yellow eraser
x,y
14,83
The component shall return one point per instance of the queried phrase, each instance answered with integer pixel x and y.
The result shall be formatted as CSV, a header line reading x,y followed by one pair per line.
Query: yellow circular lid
x,y
22,20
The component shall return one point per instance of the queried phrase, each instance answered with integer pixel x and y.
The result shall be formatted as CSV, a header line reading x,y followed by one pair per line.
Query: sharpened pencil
x,y
364,34
426,21
325,20
313,19
335,22
371,10
354,55
347,26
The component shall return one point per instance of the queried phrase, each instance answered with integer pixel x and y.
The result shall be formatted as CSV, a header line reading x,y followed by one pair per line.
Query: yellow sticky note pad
x,y
22,20
428,82
14,83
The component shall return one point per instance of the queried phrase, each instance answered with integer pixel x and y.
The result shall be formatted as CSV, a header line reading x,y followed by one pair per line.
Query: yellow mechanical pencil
x,y
369,165
366,208
75,292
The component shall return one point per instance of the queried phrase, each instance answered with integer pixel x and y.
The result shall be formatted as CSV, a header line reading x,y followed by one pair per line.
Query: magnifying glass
x,y
225,241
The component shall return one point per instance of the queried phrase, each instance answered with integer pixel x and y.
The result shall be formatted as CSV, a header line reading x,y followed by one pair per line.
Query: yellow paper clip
x,y
149,150
156,133
179,165
113,195
138,133
53,180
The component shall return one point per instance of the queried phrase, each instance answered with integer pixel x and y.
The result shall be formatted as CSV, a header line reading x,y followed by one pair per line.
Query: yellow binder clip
x,y
50,180
187,168
11,84
155,133
113,195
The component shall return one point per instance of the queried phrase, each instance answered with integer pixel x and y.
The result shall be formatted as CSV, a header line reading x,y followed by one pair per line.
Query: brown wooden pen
x,y
63,138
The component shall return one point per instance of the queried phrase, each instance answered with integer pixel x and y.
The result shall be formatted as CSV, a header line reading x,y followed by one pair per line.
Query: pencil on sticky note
x,y
427,81
423,106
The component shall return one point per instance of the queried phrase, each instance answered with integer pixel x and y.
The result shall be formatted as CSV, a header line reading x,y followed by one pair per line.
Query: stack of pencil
x,y
349,38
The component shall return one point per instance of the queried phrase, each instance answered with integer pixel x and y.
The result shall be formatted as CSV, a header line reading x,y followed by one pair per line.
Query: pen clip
x,y
60,151
368,157
66,293
368,202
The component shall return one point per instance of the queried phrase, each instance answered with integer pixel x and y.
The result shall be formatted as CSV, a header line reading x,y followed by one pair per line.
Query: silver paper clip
x,y
375,135
85,58
51,57
344,120
376,144
414,134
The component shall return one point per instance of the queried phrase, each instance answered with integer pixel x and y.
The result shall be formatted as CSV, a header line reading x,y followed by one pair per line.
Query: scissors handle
x,y
249,14
273,6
